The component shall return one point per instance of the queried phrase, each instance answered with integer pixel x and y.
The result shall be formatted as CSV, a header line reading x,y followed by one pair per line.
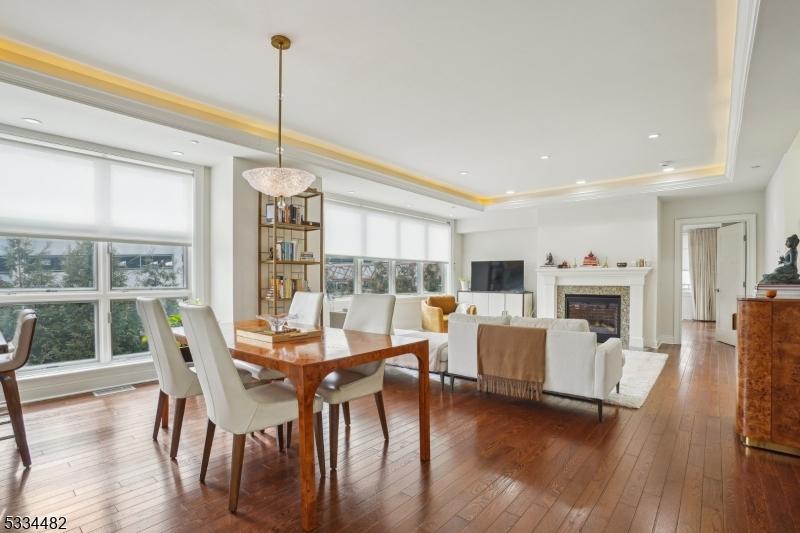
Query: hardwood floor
x,y
497,464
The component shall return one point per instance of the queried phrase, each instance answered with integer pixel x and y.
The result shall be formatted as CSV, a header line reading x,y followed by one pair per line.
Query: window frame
x,y
358,260
196,260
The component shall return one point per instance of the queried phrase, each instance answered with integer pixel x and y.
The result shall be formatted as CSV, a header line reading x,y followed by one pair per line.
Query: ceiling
x,y
437,88
73,120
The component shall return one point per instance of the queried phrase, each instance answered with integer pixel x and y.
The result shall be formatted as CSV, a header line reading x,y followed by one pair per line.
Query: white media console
x,y
495,303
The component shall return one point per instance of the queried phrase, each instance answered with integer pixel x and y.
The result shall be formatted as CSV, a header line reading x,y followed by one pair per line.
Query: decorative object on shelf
x,y
770,293
605,262
464,282
307,256
564,264
590,260
641,262
574,263
549,262
786,273
279,181
622,264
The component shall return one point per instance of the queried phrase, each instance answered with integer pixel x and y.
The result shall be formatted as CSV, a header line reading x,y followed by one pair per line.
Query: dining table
x,y
306,362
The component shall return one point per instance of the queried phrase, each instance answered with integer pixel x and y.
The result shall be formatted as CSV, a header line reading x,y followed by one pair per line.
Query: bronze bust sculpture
x,y
786,273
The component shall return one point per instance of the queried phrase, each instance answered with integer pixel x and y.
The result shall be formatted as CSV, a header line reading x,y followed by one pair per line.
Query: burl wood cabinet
x,y
768,359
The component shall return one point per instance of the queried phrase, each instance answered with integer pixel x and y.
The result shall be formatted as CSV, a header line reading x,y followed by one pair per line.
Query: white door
x,y
731,261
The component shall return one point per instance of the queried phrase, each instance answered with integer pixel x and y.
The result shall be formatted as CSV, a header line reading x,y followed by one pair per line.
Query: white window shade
x,y
50,192
364,232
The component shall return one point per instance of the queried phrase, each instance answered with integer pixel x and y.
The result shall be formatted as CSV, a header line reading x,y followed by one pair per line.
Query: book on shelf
x,y
287,251
291,214
282,288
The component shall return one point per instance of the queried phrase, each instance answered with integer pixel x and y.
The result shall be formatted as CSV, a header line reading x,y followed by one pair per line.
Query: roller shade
x,y
363,232
46,191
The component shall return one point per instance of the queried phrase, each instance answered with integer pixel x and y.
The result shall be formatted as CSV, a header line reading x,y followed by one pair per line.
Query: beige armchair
x,y
437,309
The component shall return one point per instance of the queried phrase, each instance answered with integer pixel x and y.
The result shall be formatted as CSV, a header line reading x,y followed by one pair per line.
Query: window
x,y
378,252
374,276
405,277
37,264
433,277
114,230
144,266
339,276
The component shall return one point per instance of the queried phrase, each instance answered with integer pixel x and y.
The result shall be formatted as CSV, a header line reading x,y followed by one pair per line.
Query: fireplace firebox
x,y
601,311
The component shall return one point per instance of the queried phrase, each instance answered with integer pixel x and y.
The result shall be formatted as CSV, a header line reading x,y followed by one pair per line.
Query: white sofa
x,y
575,365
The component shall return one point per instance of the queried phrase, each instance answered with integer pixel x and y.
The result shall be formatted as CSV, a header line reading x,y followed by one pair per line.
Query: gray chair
x,y
9,364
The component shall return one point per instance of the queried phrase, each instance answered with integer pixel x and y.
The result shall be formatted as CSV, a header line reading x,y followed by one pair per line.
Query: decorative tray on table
x,y
275,330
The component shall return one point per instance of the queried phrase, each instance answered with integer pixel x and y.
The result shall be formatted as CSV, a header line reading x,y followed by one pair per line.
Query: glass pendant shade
x,y
275,181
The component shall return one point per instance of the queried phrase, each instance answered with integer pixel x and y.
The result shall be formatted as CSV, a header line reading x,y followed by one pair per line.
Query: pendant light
x,y
278,181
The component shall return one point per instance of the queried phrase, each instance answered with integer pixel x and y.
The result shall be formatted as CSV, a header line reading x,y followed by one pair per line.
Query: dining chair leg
x,y
207,450
441,378
280,437
165,412
177,424
288,434
320,442
333,429
237,458
617,387
14,406
346,412
162,398
382,414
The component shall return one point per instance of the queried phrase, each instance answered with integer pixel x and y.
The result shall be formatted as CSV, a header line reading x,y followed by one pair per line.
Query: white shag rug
x,y
639,374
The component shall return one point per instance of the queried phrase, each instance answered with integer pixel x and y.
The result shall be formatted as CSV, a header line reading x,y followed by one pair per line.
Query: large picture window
x,y
83,237
377,251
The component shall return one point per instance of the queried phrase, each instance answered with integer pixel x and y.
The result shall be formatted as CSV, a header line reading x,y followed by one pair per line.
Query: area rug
x,y
639,374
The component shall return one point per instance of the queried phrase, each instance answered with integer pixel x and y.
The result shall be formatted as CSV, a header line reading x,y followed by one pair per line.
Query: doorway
x,y
714,264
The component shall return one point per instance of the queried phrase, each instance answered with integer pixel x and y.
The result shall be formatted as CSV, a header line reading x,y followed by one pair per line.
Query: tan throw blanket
x,y
511,360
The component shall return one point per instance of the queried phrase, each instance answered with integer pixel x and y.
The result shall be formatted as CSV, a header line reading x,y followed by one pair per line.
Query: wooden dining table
x,y
307,362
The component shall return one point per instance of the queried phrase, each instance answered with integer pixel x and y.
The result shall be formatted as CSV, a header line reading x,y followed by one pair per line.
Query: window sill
x,y
48,383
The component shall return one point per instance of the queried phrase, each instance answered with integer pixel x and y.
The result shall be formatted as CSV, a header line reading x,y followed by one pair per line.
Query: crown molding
x,y
43,71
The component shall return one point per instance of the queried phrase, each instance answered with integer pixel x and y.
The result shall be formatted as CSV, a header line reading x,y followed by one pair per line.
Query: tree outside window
x,y
405,277
433,277
374,276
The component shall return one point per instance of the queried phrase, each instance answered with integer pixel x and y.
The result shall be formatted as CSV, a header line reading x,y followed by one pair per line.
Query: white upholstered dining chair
x,y
19,353
229,405
370,313
307,307
176,378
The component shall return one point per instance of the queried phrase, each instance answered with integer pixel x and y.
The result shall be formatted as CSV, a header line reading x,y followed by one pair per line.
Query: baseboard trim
x,y
666,339
34,388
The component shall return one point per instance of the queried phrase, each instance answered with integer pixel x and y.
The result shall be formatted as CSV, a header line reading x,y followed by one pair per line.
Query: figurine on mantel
x,y
786,273
549,262
590,260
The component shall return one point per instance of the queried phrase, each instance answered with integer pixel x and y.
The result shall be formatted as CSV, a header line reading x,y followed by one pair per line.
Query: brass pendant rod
x,y
280,107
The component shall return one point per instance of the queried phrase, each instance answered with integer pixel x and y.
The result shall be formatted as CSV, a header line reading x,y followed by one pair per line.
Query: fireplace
x,y
601,311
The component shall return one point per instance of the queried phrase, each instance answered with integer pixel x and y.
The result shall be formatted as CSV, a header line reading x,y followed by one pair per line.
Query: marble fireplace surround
x,y
596,290
595,280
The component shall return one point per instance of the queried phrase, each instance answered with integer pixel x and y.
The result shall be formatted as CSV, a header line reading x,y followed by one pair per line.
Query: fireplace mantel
x,y
547,279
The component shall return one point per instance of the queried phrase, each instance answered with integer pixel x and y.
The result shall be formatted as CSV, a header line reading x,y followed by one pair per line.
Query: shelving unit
x,y
274,274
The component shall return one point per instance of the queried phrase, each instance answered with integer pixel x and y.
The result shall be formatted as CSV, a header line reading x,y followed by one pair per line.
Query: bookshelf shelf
x,y
286,235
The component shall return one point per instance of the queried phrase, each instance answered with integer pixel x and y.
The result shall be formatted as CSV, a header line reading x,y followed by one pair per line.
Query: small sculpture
x,y
564,264
549,262
786,273
590,260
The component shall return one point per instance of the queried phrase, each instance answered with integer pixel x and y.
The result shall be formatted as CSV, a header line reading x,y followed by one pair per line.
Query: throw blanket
x,y
511,360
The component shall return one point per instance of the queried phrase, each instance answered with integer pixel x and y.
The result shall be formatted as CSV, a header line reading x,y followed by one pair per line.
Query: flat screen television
x,y
498,276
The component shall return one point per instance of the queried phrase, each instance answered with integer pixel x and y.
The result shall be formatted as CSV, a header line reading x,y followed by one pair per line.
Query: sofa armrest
x,y
608,363
432,318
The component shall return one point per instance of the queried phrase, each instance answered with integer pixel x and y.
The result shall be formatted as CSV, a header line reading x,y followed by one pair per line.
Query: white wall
x,y
234,241
672,209
781,210
623,229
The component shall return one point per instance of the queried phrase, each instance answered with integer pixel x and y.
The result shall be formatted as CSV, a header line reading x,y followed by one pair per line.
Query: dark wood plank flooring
x,y
497,464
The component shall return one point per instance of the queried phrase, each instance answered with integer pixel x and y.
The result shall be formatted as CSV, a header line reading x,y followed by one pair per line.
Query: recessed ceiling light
x,y
580,182
31,120
509,191
176,152
756,166
194,141
654,136
463,172
667,169
544,157
351,192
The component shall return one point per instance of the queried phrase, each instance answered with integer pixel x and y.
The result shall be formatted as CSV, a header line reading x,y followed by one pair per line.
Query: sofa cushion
x,y
555,324
479,319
